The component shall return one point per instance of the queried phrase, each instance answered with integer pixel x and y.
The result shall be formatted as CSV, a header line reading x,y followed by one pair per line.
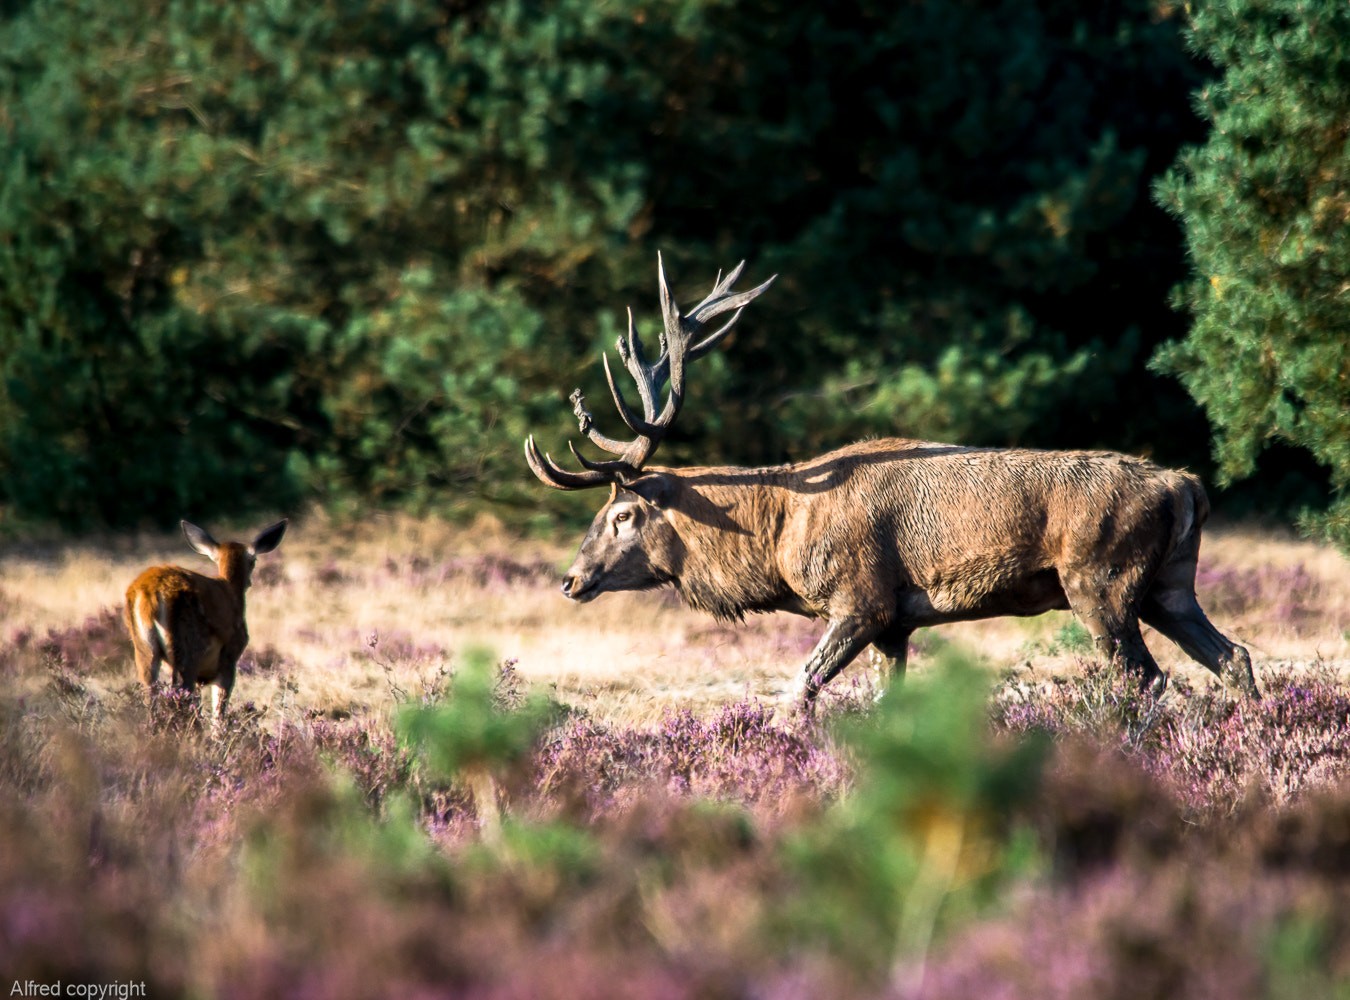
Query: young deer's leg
x,y
185,654
186,645
844,639
220,695
148,661
145,643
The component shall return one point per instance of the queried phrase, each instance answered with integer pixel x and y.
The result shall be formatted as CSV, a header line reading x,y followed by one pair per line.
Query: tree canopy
x,y
258,251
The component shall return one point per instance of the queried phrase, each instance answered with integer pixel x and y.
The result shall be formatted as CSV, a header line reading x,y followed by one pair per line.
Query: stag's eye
x,y
623,515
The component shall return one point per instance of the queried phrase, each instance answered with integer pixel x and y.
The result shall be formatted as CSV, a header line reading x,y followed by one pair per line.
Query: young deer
x,y
194,622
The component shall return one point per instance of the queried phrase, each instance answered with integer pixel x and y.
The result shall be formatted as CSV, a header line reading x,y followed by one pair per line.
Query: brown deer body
x,y
193,622
886,536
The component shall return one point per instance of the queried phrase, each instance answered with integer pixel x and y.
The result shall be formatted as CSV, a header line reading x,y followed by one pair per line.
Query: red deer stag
x,y
195,623
886,536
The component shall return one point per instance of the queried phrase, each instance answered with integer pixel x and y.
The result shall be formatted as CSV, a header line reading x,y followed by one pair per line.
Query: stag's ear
x,y
200,540
657,488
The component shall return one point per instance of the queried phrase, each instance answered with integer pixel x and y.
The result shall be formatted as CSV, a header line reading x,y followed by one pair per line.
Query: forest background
x,y
259,254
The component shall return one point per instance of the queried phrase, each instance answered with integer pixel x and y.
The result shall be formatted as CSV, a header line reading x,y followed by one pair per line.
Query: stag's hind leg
x,y
1177,615
1170,607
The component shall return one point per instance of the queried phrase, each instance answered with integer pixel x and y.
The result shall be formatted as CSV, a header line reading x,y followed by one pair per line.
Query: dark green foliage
x,y
253,252
471,731
1265,202
926,833
970,258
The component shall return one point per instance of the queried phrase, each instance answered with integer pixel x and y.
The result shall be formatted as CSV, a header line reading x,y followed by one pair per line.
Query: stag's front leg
x,y
843,640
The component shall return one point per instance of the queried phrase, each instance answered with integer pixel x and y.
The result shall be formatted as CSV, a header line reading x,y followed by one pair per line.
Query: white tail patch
x,y
150,626
162,628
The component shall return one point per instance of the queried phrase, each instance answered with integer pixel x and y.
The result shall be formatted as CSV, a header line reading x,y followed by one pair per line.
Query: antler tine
x,y
634,423
560,479
670,313
648,377
617,470
679,332
713,339
737,302
586,423
720,287
715,305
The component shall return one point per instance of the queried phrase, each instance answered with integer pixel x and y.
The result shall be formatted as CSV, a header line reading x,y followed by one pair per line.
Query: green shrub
x,y
925,836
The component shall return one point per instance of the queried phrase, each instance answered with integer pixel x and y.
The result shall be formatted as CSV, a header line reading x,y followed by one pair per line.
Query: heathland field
x,y
340,618
441,778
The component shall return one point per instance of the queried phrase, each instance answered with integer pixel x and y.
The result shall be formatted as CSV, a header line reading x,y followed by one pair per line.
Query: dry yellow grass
x,y
428,590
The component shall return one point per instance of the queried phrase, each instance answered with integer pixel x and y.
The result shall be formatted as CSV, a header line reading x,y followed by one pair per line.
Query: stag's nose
x,y
568,584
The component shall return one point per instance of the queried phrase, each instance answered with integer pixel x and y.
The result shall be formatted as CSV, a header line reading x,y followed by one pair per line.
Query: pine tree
x,y
1266,206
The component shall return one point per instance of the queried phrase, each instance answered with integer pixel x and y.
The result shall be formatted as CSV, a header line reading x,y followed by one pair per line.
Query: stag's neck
x,y
730,521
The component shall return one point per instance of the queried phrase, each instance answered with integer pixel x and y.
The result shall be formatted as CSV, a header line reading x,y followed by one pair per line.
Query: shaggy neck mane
x,y
729,521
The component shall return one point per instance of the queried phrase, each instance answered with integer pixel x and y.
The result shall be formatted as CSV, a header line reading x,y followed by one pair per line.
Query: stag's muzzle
x,y
577,588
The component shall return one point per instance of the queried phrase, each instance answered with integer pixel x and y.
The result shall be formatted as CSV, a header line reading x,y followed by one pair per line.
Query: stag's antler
x,y
677,350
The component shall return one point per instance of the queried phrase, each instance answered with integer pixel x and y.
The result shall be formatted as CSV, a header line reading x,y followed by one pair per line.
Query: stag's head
x,y
631,544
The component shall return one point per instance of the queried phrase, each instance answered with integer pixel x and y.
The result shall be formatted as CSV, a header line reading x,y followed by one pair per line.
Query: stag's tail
x,y
1190,508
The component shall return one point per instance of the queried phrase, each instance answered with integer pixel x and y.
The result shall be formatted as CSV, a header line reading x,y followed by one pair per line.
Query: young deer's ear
x,y
200,540
657,488
269,538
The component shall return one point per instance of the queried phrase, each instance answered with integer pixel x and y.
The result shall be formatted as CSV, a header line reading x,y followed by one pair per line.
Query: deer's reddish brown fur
x,y
193,622
886,536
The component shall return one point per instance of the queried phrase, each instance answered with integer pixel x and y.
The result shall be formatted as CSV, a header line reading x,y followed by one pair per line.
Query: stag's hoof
x,y
1152,681
804,693
1237,674
804,707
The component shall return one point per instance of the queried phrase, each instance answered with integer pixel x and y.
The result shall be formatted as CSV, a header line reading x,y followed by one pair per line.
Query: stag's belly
x,y
966,600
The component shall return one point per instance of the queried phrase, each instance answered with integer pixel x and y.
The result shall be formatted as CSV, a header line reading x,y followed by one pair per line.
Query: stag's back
x,y
964,522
